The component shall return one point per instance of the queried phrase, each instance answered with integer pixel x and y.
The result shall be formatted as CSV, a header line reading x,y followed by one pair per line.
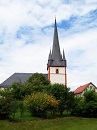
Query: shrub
x,y
38,103
86,106
78,107
7,107
18,91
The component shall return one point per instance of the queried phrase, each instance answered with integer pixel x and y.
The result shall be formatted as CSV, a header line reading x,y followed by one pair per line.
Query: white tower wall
x,y
57,77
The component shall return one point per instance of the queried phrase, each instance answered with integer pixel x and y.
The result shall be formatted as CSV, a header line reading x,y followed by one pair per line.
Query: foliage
x,y
6,92
78,105
61,93
86,106
90,101
7,107
38,79
90,96
38,103
70,102
36,83
90,109
43,97
18,91
21,108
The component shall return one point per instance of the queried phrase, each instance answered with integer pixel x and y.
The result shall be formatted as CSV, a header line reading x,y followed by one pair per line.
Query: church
x,y
56,66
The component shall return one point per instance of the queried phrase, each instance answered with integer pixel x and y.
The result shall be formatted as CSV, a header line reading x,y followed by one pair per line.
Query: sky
x,y
26,36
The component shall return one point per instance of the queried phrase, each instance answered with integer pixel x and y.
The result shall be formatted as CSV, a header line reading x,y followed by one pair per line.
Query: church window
x,y
57,71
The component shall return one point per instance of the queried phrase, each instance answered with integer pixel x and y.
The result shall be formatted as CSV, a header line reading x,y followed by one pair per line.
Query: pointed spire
x,y
50,55
64,59
64,55
56,55
50,60
55,23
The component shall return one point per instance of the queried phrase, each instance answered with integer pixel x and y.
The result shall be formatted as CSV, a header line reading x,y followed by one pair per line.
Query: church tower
x,y
56,65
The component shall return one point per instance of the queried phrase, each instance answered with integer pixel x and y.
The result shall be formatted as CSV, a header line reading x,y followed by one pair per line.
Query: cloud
x,y
26,35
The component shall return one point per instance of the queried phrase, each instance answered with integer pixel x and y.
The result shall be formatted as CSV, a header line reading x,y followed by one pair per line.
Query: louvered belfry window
x,y
57,71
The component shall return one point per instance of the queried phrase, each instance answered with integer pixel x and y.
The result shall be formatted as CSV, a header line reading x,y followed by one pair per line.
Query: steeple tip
x,y
55,22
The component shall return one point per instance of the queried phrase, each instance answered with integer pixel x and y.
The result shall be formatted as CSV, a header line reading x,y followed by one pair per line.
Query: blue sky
x,y
26,35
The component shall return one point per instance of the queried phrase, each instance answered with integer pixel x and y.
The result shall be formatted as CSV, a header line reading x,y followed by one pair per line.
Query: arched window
x,y
57,71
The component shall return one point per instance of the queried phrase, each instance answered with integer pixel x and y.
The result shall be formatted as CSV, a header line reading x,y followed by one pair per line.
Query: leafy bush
x,y
78,107
90,104
86,106
7,107
21,108
38,103
90,96
18,91
61,93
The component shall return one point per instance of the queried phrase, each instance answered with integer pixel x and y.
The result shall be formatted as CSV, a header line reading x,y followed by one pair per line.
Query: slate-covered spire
x,y
49,59
56,54
64,59
50,55
64,55
55,57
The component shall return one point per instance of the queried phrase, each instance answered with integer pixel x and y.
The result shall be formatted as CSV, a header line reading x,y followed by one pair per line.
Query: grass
x,y
67,123
25,117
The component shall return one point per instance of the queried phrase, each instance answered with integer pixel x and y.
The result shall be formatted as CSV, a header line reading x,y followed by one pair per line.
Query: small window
x,y
57,71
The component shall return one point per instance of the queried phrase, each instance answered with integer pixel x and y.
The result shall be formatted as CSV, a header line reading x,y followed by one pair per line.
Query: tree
x,y
90,96
90,101
61,93
6,92
70,102
36,83
78,107
38,79
86,106
18,91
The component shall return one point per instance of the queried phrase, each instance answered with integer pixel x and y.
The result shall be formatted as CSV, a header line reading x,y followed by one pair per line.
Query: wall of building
x,y
57,77
1,88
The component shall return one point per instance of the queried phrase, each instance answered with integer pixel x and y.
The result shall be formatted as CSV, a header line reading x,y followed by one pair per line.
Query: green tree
x,y
70,102
90,96
36,83
18,91
78,106
90,104
86,106
61,93
6,92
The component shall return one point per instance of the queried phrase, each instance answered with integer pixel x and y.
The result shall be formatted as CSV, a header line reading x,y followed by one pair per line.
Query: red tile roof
x,y
81,88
